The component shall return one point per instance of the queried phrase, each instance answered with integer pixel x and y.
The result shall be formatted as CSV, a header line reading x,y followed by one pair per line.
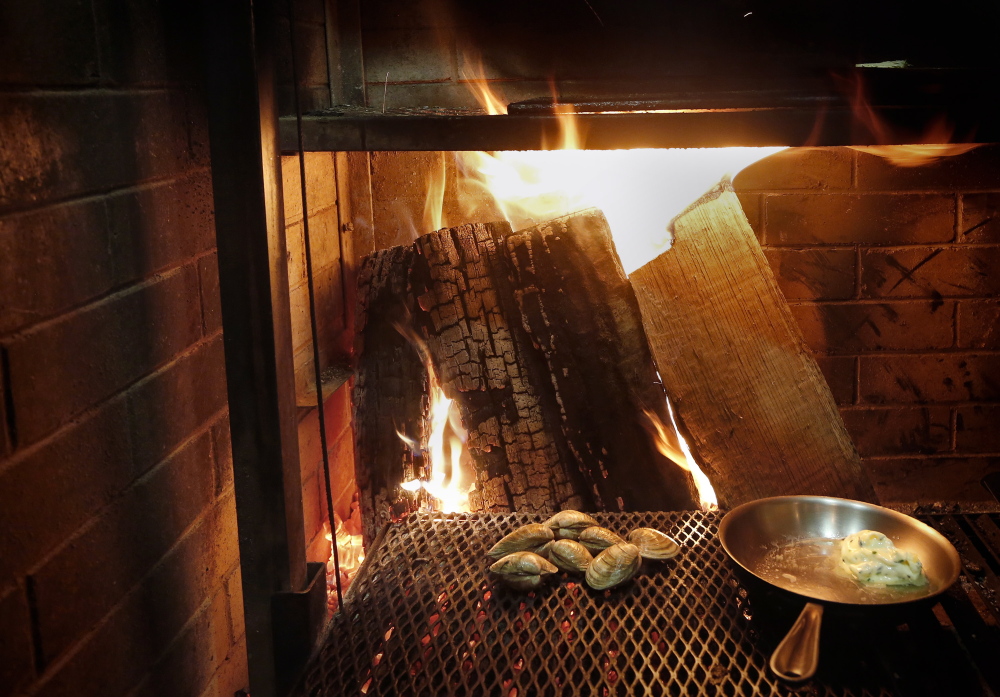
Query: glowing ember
x,y
350,553
671,443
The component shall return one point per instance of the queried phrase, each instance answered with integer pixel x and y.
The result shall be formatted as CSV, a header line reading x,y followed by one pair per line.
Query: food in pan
x,y
569,555
567,525
523,571
526,537
597,539
614,566
871,557
653,544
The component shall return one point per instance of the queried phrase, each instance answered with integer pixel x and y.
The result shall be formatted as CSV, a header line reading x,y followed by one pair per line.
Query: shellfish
x,y
596,539
523,571
569,524
615,565
570,555
653,544
524,538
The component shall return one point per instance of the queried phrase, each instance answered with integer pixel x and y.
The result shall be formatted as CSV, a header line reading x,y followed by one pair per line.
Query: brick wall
x,y
119,564
891,274
334,344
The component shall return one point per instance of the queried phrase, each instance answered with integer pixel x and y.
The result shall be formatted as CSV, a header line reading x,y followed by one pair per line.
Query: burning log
x,y
537,336
760,415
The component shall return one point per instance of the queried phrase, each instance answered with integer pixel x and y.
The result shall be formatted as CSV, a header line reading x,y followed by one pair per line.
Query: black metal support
x,y
253,276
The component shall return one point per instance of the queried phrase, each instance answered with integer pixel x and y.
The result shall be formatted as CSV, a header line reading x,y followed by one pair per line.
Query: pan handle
x,y
797,655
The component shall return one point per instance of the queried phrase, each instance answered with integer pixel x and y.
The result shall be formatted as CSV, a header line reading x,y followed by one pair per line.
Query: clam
x,y
653,544
615,565
523,571
525,538
596,538
569,524
569,555
543,551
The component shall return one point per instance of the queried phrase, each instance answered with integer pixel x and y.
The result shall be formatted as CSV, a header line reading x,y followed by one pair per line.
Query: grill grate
x,y
423,617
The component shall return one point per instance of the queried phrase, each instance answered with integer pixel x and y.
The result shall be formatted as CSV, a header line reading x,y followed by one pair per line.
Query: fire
x,y
475,79
451,478
434,201
671,443
639,191
350,552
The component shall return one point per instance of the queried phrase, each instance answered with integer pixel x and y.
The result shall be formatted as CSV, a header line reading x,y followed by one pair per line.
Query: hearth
x,y
872,297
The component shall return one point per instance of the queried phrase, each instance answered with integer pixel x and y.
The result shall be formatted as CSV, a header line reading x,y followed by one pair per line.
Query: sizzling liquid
x,y
812,567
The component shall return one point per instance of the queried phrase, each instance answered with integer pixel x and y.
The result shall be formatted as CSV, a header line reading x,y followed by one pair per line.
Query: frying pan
x,y
792,543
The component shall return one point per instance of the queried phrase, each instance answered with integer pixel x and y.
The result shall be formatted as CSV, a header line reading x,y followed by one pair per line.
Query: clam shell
x,y
543,551
653,544
615,565
524,538
596,539
569,524
523,570
570,555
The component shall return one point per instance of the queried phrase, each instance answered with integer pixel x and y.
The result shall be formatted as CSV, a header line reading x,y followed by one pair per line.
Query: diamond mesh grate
x,y
424,617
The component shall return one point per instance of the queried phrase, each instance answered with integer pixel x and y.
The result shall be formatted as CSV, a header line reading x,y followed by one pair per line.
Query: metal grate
x,y
423,617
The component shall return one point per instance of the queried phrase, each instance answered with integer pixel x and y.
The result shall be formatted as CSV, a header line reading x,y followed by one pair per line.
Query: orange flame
x,y
930,146
451,477
434,202
671,444
475,79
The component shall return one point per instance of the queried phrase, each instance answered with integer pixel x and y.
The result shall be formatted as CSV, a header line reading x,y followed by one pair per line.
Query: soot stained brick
x,y
814,274
977,431
979,324
41,45
929,379
80,472
873,219
15,642
211,303
839,373
85,357
974,170
930,272
86,578
857,327
926,480
798,168
899,431
980,218
51,260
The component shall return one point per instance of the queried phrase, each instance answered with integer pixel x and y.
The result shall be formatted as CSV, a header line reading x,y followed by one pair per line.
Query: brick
x,y
165,409
39,46
211,301
232,675
160,226
979,324
86,578
854,327
120,652
321,183
899,431
16,662
813,274
6,437
447,95
313,505
930,480
147,42
915,379
234,590
975,170
752,205
840,376
324,238
191,662
342,482
930,272
872,219
976,429
83,358
980,218
51,260
798,168
58,145
222,453
408,55
48,492
295,250
310,55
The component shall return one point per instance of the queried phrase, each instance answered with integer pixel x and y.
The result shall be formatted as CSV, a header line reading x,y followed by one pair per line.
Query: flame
x,y
451,477
434,201
350,554
570,132
639,191
475,79
930,146
671,443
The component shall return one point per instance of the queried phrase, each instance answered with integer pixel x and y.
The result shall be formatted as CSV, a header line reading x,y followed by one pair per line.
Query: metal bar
x,y
676,129
253,278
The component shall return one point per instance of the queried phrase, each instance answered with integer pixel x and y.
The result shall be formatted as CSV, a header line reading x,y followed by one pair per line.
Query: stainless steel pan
x,y
792,542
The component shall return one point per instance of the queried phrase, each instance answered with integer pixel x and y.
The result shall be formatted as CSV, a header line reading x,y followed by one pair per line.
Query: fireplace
x,y
112,390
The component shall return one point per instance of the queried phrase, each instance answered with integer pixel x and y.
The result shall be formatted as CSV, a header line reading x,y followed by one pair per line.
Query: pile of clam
x,y
574,542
